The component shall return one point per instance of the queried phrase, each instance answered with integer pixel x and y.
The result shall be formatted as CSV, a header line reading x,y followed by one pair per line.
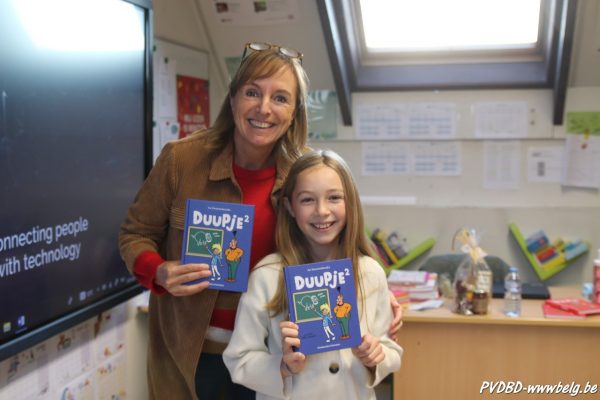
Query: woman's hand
x,y
172,275
370,351
292,361
397,321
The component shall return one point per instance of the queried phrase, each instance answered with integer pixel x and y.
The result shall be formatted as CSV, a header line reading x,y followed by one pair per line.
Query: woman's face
x,y
263,111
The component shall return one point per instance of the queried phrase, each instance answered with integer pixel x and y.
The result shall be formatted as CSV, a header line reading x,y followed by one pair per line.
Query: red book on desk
x,y
555,312
575,305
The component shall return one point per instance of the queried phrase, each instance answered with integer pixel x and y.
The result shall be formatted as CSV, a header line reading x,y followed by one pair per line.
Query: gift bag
x,y
473,278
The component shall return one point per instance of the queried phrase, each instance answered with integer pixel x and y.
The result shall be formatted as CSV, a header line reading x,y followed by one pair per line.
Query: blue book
x,y
576,249
322,302
536,241
219,234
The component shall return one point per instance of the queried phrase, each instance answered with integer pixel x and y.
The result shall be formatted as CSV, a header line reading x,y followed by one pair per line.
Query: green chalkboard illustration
x,y
200,241
307,305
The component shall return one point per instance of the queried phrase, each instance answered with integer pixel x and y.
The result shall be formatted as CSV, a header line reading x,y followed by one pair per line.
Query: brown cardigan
x,y
177,325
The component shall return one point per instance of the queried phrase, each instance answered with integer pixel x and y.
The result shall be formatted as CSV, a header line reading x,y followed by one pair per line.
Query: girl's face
x,y
263,111
318,205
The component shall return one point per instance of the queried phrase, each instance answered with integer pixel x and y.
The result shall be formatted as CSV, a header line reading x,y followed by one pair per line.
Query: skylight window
x,y
442,25
387,45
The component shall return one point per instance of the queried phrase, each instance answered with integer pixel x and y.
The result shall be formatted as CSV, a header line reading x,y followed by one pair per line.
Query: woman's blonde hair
x,y
293,246
259,65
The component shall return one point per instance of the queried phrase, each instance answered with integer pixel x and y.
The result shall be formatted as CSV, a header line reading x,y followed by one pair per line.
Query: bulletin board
x,y
180,91
468,187
420,206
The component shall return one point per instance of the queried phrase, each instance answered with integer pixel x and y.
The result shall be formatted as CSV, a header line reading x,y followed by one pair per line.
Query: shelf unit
x,y
547,269
412,254
415,252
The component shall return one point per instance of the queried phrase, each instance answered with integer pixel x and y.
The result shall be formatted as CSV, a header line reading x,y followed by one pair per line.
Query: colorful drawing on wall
x,y
322,114
192,104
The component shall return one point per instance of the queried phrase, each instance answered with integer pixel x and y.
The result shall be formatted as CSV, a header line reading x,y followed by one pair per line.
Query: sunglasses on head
x,y
261,46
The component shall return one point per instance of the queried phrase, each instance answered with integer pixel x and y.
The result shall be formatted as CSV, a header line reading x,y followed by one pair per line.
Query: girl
x,y
319,218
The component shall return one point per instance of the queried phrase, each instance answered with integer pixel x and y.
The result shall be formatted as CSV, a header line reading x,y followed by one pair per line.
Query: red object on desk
x,y
555,312
576,305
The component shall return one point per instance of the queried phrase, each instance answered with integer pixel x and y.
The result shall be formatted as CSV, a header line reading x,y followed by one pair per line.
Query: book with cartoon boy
x,y
322,302
219,234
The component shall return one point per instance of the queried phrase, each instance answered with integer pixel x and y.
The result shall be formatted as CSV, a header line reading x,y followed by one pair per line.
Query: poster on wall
x,y
582,150
192,104
181,92
322,115
265,12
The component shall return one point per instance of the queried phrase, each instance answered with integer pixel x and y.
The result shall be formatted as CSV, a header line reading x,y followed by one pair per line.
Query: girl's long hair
x,y
293,246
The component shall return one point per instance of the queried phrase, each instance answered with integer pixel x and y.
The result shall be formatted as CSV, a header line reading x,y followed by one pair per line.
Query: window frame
x,y
557,22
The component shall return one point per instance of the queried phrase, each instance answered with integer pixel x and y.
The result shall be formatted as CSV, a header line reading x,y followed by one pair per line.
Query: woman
x,y
244,157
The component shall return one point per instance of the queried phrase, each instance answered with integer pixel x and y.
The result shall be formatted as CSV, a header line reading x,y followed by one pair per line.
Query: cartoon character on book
x,y
215,261
342,313
309,303
327,322
233,256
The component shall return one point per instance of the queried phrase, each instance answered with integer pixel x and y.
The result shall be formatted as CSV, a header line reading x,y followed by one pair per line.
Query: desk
x,y
449,356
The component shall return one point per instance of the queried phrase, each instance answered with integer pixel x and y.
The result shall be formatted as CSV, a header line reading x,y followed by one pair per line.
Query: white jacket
x,y
254,353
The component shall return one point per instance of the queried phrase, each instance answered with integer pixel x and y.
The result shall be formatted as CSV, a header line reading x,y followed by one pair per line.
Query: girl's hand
x,y
292,361
370,351
172,275
397,321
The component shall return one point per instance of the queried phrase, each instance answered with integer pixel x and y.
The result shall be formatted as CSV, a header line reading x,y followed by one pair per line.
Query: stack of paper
x,y
420,285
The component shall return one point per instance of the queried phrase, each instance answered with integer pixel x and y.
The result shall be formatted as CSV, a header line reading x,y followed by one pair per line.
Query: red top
x,y
256,189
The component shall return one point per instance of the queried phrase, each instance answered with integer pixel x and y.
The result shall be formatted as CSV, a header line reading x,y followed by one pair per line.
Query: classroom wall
x,y
441,205
448,203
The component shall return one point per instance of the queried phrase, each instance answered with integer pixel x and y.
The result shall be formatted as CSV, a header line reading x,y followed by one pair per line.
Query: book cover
x,y
554,312
536,241
576,305
379,253
402,296
220,235
408,277
546,253
575,250
398,244
379,237
420,285
322,302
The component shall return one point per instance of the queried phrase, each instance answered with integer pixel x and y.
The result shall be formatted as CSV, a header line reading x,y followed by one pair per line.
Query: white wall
x,y
443,204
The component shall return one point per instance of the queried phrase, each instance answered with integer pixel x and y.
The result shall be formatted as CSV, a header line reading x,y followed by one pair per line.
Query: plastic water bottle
x,y
512,293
